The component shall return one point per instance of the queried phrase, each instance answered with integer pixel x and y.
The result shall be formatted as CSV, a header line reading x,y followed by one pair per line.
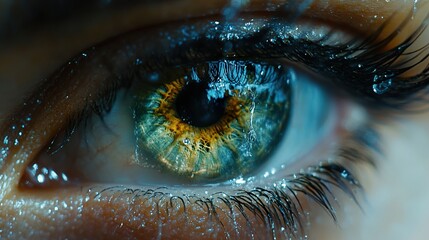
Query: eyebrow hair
x,y
17,16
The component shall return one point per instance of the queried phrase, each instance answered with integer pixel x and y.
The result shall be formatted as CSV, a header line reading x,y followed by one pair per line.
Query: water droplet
x,y
186,141
382,87
40,178
138,61
153,77
65,178
240,181
53,175
266,174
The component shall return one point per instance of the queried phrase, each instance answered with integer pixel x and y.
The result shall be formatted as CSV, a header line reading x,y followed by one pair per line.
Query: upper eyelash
x,y
369,49
358,66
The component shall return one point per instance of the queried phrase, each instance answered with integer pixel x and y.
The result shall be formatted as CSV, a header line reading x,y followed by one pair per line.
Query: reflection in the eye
x,y
220,120
275,202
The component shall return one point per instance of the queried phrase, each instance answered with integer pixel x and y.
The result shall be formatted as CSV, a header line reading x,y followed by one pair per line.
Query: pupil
x,y
194,107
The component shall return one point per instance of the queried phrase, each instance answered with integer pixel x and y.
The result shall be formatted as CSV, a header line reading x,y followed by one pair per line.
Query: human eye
x,y
230,125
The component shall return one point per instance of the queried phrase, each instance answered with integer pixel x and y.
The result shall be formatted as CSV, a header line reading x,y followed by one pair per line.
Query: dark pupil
x,y
194,107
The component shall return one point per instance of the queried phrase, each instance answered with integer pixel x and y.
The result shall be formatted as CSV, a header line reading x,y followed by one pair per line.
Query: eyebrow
x,y
21,15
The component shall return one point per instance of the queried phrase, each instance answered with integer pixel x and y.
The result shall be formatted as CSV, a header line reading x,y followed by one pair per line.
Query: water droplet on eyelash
x,y
382,87
138,62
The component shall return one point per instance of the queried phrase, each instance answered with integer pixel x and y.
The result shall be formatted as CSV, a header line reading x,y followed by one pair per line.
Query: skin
x,y
395,206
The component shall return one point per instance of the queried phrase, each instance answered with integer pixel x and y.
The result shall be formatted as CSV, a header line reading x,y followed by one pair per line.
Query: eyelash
x,y
370,61
279,207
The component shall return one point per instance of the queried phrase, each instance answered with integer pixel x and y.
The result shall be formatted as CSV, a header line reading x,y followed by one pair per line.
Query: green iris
x,y
213,121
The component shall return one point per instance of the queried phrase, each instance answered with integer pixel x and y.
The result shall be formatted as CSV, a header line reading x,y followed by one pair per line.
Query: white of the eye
x,y
313,118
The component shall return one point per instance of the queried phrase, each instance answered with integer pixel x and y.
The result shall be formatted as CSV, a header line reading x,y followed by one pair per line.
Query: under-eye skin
x,y
160,68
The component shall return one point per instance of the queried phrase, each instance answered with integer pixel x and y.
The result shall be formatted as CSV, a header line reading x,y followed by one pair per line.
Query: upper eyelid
x,y
82,103
39,60
61,52
44,12
96,61
75,60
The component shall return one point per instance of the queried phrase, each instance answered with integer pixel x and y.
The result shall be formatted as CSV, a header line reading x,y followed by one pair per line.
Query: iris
x,y
215,120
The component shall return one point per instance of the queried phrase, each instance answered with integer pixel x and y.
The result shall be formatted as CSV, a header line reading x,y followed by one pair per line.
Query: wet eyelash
x,y
364,68
365,64
279,207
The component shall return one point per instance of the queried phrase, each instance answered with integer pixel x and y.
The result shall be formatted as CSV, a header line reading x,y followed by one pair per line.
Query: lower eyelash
x,y
280,206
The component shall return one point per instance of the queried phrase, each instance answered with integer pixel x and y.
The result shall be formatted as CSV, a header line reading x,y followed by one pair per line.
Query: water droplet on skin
x,y
40,178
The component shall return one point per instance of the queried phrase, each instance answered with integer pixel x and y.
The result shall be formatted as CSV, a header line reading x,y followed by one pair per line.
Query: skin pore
x,y
394,207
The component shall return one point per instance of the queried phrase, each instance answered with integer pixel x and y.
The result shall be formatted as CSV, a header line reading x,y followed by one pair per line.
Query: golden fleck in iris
x,y
196,141
216,120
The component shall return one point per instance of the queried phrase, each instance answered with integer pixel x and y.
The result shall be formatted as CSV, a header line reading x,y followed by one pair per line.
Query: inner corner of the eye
x,y
53,167
219,123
